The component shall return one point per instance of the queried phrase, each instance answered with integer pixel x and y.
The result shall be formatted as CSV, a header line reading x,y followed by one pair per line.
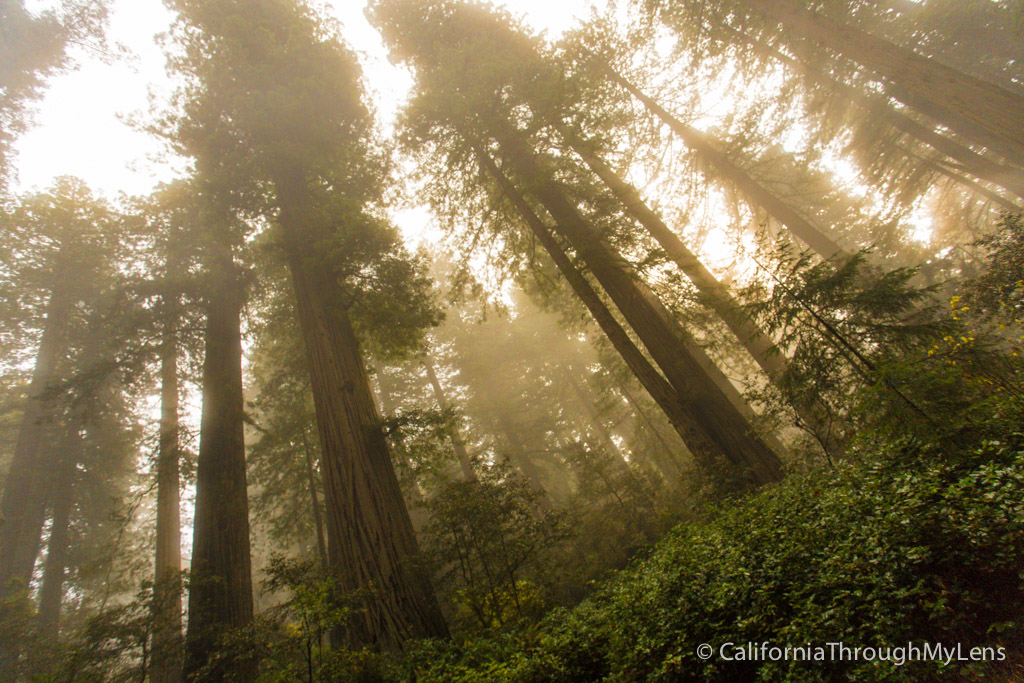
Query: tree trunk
x,y
465,464
220,592
713,293
371,543
804,229
314,502
763,350
51,592
22,509
722,424
978,111
663,393
167,636
412,491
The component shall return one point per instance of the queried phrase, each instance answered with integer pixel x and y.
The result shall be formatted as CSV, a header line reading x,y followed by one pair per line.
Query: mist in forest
x,y
679,342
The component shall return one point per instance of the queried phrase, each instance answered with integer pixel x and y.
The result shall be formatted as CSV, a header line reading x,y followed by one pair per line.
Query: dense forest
x,y
713,371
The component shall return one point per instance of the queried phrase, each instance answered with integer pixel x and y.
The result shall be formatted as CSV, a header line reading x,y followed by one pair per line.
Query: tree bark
x,y
220,591
977,110
51,592
675,352
371,543
760,347
714,294
465,464
22,509
804,229
663,393
167,635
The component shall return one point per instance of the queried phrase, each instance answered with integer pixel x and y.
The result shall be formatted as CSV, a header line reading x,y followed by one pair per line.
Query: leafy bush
x,y
908,541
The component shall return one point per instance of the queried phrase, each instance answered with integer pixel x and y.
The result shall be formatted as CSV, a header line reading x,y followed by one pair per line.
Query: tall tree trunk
x,y
804,229
674,351
977,110
371,543
714,294
314,502
51,592
979,166
167,635
220,591
22,509
761,348
672,404
465,464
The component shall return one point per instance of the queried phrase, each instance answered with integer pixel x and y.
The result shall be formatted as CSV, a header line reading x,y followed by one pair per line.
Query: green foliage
x,y
908,541
848,328
999,291
491,541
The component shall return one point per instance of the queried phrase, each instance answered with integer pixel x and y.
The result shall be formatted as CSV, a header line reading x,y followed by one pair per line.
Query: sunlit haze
x,y
83,123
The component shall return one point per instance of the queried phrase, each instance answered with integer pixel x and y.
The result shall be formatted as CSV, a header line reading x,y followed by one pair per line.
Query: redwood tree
x,y
295,124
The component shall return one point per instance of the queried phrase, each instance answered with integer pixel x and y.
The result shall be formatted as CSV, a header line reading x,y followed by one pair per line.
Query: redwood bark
x,y
51,592
674,351
22,509
220,591
457,444
804,229
706,452
761,348
715,295
167,635
371,544
977,110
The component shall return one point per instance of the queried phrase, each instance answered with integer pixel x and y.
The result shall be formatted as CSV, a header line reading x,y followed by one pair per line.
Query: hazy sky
x,y
81,127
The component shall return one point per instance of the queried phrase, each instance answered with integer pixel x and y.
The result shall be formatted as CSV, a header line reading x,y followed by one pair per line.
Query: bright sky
x,y
81,128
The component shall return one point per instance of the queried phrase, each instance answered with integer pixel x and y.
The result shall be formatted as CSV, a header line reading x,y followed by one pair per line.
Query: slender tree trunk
x,y
760,347
371,543
664,394
51,592
979,166
22,509
220,591
975,187
465,464
314,501
804,229
722,424
167,635
977,110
